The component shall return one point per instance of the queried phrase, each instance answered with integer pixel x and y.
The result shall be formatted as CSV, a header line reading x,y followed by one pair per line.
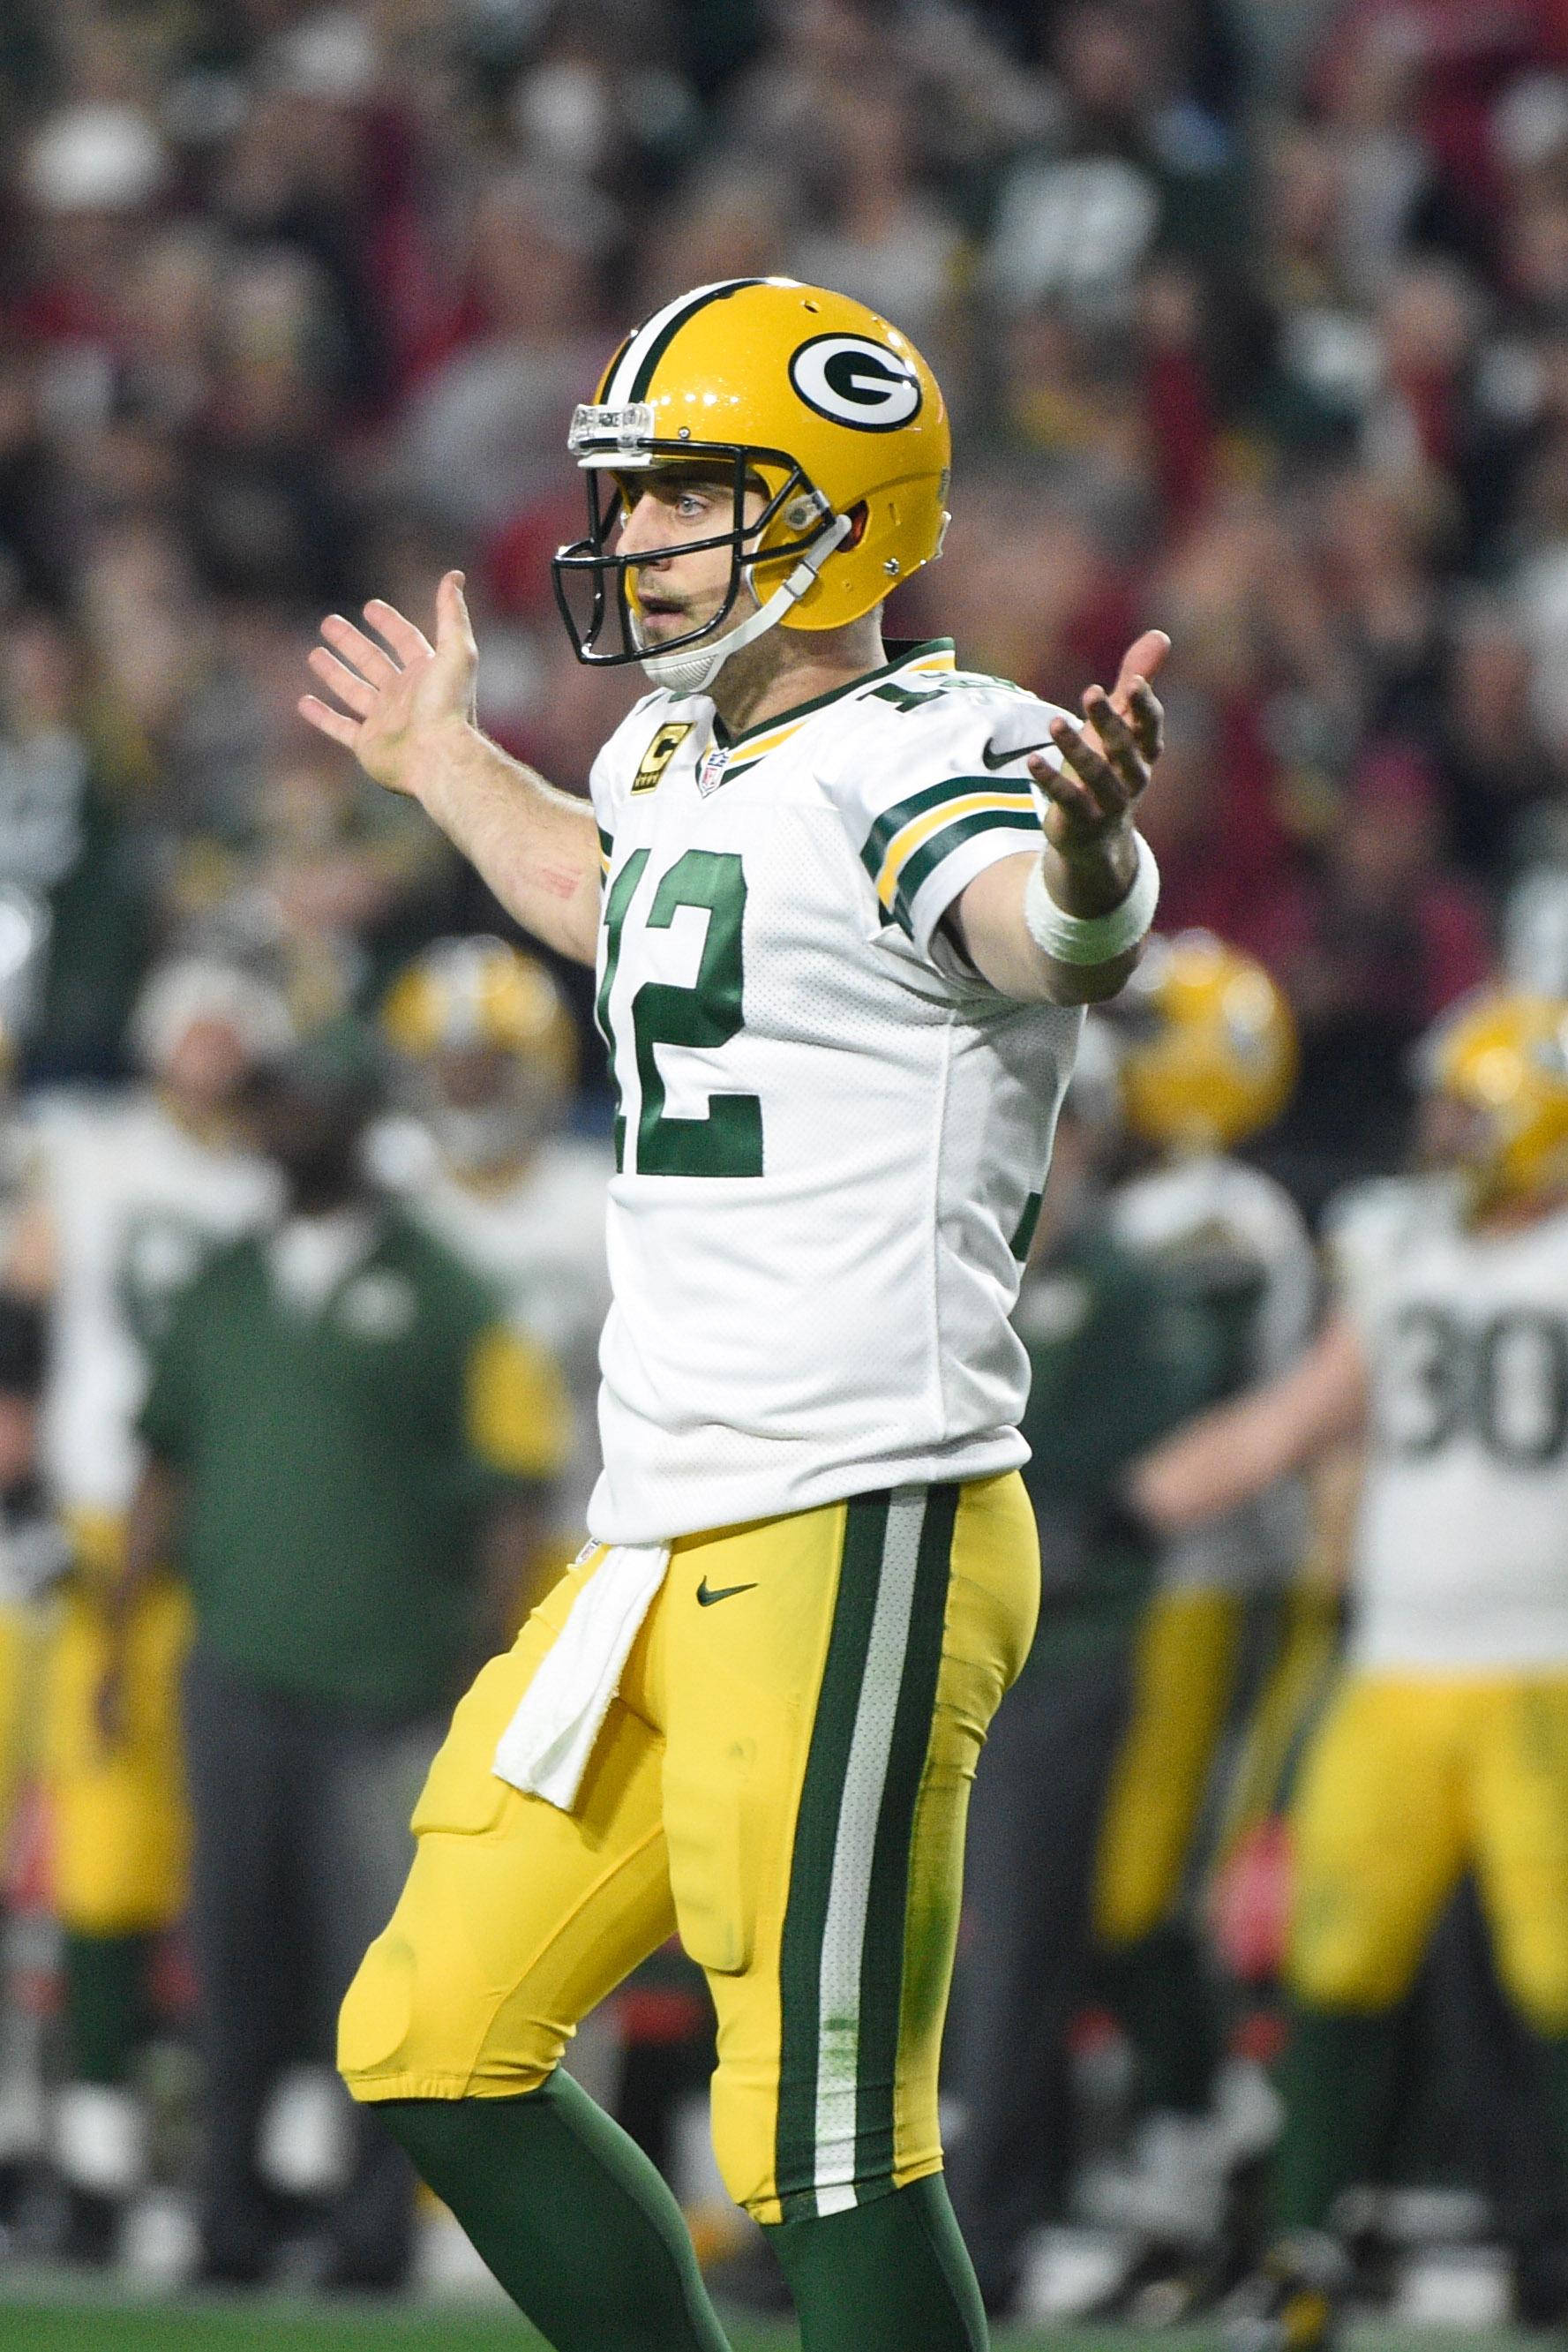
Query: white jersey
x,y
1241,1238
830,1136
137,1203
1461,1548
539,1238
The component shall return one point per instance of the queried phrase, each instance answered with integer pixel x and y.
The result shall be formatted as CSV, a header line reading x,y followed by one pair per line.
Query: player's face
x,y
1458,1139
671,507
470,1077
313,1140
487,1108
18,1437
1453,1134
207,1065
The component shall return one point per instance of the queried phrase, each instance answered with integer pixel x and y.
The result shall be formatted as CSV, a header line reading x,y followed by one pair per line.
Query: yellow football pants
x,y
1409,1782
1182,1680
119,1827
26,1627
783,1778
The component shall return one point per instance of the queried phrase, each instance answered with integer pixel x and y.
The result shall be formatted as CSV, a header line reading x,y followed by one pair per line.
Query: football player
x,y
127,1194
1208,1059
840,971
489,1055
1444,1747
1119,1351
34,1555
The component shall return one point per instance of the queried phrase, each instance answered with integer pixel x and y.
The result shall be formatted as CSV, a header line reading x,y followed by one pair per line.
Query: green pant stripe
x,y
887,1908
812,1861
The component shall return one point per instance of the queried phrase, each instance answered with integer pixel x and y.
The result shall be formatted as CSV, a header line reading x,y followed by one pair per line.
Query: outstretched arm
x,y
1091,856
407,715
1240,1449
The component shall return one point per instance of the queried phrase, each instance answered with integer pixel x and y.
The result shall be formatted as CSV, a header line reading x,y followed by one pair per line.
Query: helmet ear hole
x,y
859,515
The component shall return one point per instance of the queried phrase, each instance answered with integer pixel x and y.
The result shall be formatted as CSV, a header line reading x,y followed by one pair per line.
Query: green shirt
x,y
338,1463
1119,1354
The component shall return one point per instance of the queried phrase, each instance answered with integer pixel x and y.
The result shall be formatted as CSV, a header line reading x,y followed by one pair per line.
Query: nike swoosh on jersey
x,y
705,1598
993,759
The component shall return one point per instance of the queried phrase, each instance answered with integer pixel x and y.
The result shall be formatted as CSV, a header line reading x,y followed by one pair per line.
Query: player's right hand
x,y
397,705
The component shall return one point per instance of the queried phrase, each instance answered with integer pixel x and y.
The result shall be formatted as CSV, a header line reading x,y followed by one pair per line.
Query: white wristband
x,y
1093,939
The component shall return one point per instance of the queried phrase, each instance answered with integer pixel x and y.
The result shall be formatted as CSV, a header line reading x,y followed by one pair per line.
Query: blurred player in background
x,y
489,1056
1118,1350
1446,1747
35,1553
1208,1059
348,1447
127,1194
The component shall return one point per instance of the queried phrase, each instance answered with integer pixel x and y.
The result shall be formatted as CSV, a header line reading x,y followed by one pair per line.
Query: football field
x,y
46,2316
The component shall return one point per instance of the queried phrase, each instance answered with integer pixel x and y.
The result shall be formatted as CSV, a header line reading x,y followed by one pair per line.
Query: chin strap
x,y
694,668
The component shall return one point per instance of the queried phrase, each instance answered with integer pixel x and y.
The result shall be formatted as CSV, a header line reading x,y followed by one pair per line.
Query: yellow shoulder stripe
x,y
761,745
904,843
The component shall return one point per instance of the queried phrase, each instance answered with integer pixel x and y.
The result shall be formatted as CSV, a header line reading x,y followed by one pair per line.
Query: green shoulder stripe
x,y
923,863
892,820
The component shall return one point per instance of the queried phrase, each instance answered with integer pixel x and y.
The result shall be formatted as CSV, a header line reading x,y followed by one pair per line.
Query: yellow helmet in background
x,y
799,393
1504,1055
488,1046
1209,1045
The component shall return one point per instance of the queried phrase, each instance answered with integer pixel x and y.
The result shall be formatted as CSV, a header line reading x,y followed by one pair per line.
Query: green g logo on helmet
x,y
855,381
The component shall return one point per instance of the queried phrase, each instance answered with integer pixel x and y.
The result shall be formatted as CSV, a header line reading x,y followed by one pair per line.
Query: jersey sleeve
x,y
934,787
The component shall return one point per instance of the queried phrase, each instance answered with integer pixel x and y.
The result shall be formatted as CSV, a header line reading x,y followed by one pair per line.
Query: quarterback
x,y
844,907
1445,1747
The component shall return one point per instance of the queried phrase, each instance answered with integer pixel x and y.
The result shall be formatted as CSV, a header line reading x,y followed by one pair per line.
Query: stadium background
x,y
1253,316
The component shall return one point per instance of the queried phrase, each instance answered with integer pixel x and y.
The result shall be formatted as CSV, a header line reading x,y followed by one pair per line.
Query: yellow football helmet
x,y
793,389
1504,1055
1208,1043
488,1046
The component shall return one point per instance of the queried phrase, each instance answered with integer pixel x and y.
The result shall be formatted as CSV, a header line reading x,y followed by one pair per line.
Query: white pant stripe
x,y
843,1935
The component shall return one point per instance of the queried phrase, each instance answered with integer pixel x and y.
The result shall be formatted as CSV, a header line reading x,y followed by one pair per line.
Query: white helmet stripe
x,y
656,332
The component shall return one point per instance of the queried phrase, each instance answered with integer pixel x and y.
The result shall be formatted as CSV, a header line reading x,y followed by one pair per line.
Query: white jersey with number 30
x,y
832,1137
1462,1560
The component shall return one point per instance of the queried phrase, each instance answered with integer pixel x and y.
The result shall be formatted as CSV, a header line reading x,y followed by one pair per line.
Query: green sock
x,y
106,1995
1160,1991
891,2276
568,2213
1337,2078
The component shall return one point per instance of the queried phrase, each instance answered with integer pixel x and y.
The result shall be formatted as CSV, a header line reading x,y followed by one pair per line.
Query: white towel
x,y
544,1750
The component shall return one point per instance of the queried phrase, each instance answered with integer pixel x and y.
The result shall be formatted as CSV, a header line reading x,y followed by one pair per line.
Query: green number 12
x,y
728,1140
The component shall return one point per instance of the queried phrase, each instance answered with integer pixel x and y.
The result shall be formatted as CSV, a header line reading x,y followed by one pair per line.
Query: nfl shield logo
x,y
711,768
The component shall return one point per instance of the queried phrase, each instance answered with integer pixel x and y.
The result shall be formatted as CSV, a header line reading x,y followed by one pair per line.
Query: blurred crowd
x,y
1253,320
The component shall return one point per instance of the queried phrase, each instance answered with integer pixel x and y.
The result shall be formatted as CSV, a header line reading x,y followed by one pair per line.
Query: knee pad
x,y
425,2025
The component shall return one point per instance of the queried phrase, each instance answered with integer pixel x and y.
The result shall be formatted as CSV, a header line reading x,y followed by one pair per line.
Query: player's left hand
x,y
1108,760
